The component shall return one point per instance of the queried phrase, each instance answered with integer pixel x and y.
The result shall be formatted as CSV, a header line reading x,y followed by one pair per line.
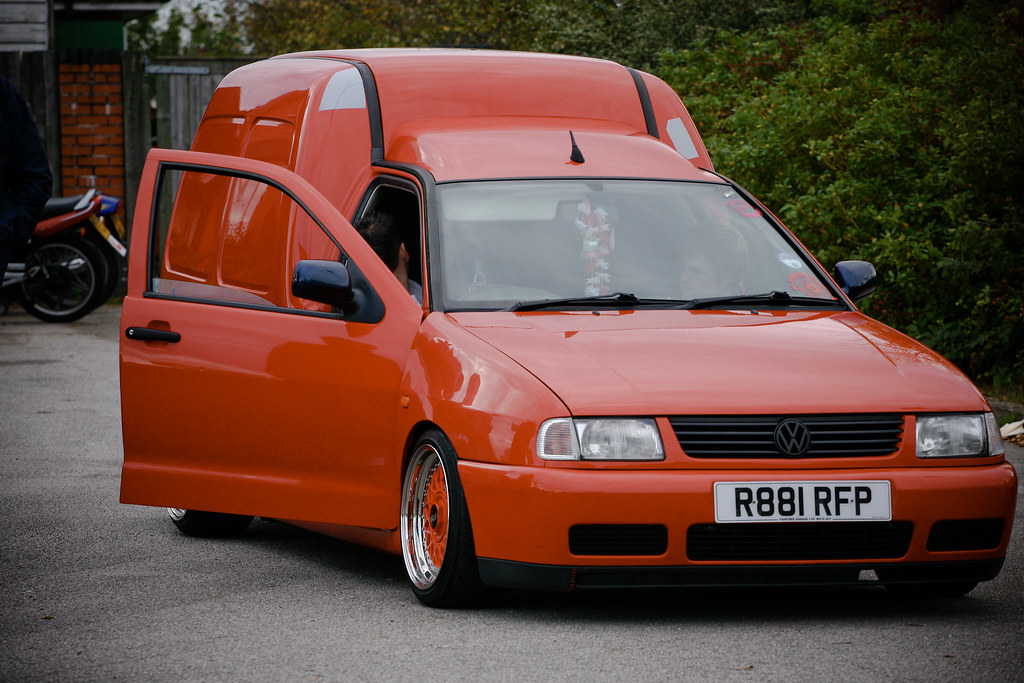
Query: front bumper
x,y
522,516
526,576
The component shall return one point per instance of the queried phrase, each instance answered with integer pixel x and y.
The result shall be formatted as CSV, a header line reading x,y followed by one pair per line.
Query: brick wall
x,y
91,128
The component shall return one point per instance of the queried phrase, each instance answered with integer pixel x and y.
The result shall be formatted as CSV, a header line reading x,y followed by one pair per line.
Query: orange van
x,y
621,370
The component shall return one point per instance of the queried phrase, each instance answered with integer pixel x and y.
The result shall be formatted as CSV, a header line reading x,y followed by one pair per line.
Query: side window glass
x,y
231,239
390,223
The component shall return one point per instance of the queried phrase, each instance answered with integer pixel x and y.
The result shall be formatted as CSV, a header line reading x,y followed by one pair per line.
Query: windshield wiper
x,y
599,300
772,298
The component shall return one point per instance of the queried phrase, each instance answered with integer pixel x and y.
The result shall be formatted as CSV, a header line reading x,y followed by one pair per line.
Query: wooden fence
x,y
164,100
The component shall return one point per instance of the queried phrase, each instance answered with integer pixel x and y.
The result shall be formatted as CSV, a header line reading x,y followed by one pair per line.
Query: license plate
x,y
802,501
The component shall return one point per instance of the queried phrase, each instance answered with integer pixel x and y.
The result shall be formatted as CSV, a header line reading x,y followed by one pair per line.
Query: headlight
x,y
957,436
556,440
565,438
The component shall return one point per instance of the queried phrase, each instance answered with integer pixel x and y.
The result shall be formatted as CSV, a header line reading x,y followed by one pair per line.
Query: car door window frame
x,y
418,252
371,311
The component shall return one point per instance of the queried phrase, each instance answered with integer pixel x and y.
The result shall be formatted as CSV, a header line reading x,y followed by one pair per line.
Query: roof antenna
x,y
576,156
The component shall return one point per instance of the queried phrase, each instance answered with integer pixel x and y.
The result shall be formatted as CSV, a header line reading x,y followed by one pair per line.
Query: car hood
x,y
663,362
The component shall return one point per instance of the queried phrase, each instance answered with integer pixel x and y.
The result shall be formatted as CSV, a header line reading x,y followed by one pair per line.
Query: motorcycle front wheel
x,y
64,279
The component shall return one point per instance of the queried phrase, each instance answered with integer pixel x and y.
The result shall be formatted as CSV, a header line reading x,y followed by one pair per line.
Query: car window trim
x,y
429,230
162,171
270,308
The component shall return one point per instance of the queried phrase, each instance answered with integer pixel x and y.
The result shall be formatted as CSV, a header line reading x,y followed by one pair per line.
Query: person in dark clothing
x,y
25,180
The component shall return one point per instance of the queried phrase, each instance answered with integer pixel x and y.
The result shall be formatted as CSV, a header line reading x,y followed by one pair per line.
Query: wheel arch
x,y
411,439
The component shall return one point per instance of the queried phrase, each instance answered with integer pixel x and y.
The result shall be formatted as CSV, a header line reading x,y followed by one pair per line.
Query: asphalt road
x,y
93,590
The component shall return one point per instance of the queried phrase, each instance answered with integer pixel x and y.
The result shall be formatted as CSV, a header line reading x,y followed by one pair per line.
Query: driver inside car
x,y
381,233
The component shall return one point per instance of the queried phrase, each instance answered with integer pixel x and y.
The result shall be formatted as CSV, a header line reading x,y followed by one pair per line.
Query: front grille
x,y
798,541
753,436
965,534
618,539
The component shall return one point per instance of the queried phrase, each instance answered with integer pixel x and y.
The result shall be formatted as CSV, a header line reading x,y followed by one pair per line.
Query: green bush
x,y
896,141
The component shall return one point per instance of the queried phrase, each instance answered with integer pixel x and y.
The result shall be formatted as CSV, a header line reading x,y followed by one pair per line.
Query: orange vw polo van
x,y
624,370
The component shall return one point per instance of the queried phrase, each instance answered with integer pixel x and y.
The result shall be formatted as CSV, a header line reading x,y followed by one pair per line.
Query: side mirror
x,y
857,278
327,282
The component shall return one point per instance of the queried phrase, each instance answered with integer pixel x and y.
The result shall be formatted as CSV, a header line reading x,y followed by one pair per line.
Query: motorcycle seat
x,y
55,206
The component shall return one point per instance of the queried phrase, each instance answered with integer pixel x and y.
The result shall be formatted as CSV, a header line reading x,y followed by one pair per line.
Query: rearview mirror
x,y
327,282
857,278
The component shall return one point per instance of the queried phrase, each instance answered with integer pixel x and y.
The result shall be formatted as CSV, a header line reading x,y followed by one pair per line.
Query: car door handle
x,y
149,334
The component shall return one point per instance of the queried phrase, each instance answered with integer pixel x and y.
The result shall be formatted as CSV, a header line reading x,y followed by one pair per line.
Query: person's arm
x,y
27,177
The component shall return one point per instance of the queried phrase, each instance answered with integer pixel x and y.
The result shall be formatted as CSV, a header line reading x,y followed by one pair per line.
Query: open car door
x,y
237,395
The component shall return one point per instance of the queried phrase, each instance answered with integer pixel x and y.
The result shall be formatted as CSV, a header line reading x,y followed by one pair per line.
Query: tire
x,y
113,263
208,524
437,539
63,279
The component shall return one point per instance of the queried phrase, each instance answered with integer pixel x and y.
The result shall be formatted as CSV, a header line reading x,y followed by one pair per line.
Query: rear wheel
x,y
208,524
113,263
64,279
437,540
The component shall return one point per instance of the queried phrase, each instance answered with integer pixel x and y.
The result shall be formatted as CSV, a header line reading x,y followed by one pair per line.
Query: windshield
x,y
525,241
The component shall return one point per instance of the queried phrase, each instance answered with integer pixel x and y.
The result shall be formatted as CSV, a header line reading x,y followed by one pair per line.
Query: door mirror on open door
x,y
327,282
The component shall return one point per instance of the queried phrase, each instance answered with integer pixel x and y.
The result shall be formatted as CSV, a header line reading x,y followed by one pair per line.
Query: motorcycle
x,y
73,262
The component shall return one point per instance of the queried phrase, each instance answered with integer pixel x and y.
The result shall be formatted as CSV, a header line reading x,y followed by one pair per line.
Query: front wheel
x,y
437,539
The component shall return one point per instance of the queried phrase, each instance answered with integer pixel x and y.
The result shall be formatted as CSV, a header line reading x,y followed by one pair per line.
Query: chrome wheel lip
x,y
421,569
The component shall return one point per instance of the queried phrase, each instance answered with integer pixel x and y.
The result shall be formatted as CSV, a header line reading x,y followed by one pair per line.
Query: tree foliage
x,y
276,26
897,141
632,32
637,32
